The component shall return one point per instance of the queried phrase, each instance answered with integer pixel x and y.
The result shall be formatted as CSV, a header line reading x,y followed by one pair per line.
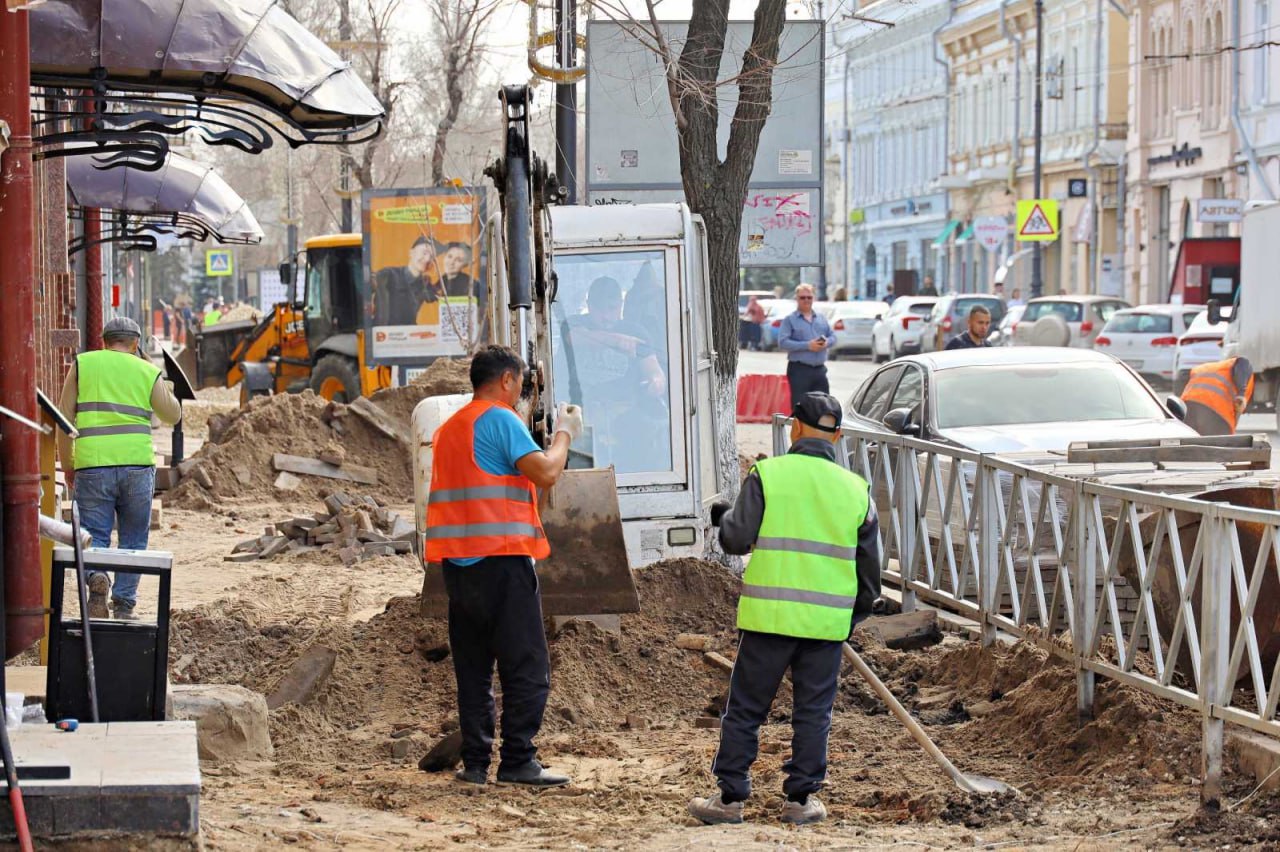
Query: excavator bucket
x,y
1164,587
588,572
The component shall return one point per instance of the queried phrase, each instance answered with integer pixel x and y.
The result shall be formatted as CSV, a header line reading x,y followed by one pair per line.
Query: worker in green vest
x,y
110,466
811,529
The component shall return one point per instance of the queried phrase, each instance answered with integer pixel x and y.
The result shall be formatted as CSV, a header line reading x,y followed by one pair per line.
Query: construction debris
x,y
905,631
317,467
305,678
356,527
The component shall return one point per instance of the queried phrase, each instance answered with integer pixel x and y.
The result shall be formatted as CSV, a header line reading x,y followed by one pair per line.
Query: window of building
x,y
1187,77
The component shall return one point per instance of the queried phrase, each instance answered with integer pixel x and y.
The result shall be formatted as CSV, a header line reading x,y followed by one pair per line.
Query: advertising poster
x,y
424,273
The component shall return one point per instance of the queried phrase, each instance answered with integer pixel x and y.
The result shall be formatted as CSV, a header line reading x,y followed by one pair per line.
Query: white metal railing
x,y
1172,595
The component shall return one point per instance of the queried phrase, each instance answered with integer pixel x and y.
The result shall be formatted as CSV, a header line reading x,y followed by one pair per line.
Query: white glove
x,y
569,420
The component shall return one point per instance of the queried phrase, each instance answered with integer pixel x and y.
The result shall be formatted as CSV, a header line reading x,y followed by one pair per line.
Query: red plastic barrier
x,y
762,396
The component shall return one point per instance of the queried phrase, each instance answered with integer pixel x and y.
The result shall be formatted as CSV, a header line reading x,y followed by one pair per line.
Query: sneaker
x,y
712,810
99,588
123,611
472,776
798,814
531,774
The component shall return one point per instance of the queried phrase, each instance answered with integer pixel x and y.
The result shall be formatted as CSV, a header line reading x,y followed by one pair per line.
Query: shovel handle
x,y
904,717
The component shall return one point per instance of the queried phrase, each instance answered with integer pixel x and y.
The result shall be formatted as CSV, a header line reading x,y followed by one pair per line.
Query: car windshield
x,y
779,308
963,305
921,309
1127,322
1039,393
1069,311
859,309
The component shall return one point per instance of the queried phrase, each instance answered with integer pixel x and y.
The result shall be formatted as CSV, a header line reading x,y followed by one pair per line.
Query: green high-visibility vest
x,y
802,579
212,317
113,410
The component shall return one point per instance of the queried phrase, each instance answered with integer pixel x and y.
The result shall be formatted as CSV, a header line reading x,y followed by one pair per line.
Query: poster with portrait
x,y
424,276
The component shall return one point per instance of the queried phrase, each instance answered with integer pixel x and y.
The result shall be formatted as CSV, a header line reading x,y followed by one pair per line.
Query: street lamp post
x,y
1037,257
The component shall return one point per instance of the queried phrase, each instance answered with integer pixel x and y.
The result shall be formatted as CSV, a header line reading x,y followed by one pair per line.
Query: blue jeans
x,y
119,497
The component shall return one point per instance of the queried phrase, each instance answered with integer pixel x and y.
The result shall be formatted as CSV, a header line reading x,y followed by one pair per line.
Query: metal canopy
x,y
181,198
248,50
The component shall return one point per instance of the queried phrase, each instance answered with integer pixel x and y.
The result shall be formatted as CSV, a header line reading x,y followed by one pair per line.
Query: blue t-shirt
x,y
501,439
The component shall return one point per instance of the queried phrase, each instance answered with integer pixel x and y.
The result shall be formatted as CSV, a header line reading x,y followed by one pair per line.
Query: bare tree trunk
x,y
453,91
717,189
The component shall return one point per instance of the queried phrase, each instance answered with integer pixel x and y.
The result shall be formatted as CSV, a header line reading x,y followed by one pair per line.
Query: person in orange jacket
x,y
1217,394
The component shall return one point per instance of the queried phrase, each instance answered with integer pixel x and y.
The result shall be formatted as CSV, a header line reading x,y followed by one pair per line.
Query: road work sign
x,y
1037,220
217,263
990,231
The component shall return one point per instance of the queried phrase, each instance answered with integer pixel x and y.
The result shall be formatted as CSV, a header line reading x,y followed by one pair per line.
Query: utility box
x,y
130,657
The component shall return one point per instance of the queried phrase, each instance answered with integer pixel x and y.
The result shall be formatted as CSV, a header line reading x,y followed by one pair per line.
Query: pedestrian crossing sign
x,y
217,263
1037,220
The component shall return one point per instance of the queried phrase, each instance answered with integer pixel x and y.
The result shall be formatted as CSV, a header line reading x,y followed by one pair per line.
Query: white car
x,y
1200,344
899,329
852,323
1146,338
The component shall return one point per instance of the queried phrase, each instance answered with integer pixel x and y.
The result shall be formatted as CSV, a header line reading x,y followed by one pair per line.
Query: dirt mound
x,y
1019,702
236,463
444,376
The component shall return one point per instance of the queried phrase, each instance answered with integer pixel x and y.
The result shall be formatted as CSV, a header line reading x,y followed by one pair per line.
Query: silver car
x,y
851,323
1065,320
1014,400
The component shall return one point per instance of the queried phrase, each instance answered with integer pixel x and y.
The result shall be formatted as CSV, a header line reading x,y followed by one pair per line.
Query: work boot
x,y
123,611
99,588
531,774
712,810
802,814
475,775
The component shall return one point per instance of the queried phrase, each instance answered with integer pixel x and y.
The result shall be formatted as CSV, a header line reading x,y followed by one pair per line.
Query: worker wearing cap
x,y
484,530
111,466
814,571
1217,394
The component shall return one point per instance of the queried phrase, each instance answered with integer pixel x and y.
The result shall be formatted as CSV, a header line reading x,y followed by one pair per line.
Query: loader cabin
x,y
630,340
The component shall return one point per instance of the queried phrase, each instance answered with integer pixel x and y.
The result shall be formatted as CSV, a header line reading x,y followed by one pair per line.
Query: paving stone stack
x,y
358,527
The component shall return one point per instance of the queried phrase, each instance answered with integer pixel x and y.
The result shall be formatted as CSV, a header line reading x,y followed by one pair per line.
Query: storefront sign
x,y
991,231
1178,156
1219,210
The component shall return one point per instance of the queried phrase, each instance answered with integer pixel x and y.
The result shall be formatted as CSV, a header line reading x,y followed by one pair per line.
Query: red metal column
x,y
93,279
24,606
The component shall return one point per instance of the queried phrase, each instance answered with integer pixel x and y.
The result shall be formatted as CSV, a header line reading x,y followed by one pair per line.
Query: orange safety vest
x,y
471,513
1213,386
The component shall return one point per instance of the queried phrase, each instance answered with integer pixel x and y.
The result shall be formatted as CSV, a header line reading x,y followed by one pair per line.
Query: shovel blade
x,y
588,572
981,784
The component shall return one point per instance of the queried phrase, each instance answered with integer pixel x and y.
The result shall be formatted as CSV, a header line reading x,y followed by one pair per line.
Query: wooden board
x,y
373,414
1258,457
315,467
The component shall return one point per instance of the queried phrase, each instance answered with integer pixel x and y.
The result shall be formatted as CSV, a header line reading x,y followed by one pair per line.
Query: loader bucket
x,y
1164,588
588,572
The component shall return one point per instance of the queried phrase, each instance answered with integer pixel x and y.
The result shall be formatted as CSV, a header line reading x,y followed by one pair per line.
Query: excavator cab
x,y
332,314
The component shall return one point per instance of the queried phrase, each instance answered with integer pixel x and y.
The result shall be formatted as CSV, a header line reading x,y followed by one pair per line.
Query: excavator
x,y
609,306
315,343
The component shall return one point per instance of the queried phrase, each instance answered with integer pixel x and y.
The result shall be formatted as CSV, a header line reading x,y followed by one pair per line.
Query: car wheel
x,y
893,349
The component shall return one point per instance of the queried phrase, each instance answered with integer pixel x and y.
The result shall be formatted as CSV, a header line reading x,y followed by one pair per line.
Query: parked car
x,y
950,316
774,311
1146,338
1065,320
1002,335
897,332
1200,344
1014,400
852,322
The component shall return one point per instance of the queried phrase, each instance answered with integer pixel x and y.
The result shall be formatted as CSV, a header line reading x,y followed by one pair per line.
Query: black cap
x,y
812,407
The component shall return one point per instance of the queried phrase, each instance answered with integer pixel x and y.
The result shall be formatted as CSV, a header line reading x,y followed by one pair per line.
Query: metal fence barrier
x,y
1175,596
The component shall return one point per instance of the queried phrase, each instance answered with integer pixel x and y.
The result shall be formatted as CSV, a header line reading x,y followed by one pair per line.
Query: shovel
x,y
966,781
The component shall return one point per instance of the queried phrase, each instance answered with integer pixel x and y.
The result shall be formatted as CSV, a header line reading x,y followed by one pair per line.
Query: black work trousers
x,y
763,658
806,378
495,615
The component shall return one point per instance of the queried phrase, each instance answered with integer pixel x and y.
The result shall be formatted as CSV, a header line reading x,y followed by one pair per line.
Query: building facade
x,y
1257,98
886,119
990,46
1184,148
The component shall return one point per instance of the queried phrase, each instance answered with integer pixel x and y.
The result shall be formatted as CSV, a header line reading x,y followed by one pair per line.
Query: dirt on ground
x,y
235,462
442,377
625,717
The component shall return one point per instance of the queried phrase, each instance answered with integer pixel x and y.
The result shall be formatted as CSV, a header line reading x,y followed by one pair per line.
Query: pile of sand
x,y
444,376
235,464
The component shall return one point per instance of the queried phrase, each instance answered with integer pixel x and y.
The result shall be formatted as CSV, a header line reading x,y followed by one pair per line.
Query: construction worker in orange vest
x,y
483,527
1217,394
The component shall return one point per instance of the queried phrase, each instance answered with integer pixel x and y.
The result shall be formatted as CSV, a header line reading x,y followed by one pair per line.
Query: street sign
x,y
991,231
1078,188
1037,220
217,263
